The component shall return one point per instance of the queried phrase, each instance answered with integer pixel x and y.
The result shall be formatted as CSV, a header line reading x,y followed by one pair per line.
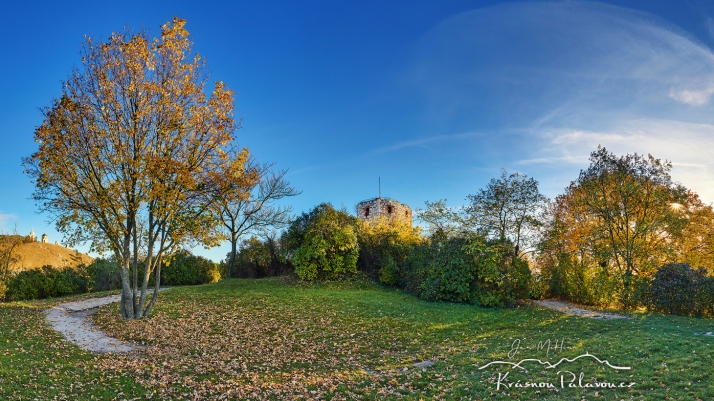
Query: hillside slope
x,y
37,254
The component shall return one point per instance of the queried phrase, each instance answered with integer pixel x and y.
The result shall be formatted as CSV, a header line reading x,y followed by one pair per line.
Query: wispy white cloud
x,y
692,96
424,142
6,220
554,160
516,60
572,75
687,145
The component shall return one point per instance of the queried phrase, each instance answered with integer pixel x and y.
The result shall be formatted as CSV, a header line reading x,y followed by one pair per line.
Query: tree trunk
x,y
149,267
157,283
234,245
135,262
126,306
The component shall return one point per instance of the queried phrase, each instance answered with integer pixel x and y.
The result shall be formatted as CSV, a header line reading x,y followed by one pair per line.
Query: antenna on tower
x,y
380,187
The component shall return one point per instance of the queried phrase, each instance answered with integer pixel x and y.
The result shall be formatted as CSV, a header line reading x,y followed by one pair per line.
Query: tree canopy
x,y
133,153
621,219
250,206
626,205
507,209
323,243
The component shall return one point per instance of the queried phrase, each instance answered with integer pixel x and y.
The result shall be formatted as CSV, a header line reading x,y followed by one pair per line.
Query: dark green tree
x,y
322,244
509,209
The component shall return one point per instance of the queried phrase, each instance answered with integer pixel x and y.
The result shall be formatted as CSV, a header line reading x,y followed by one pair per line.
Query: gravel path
x,y
572,309
72,319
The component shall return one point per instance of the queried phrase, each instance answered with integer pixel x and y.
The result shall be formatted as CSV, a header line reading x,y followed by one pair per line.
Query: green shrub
x,y
502,277
258,258
66,281
678,289
466,270
104,275
26,285
252,259
704,297
323,244
443,272
388,270
46,282
384,245
583,281
538,287
635,291
187,269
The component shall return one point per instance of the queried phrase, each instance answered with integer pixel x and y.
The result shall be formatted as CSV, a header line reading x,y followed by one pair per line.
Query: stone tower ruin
x,y
373,209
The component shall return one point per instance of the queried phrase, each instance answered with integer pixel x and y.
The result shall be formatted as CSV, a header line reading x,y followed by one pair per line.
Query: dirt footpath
x,y
572,309
72,319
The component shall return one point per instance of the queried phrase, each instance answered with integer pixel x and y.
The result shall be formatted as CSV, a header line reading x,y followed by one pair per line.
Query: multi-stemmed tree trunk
x,y
133,154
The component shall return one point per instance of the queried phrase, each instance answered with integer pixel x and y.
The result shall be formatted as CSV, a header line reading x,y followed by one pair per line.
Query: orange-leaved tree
x,y
134,152
615,224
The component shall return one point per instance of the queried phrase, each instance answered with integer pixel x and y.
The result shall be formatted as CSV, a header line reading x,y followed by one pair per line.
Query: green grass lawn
x,y
268,339
37,364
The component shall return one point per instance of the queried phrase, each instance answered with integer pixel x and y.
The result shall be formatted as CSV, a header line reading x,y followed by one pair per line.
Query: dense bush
x,y
259,258
28,284
678,289
328,244
104,275
323,244
187,269
466,270
46,282
384,246
252,260
704,297
581,281
635,290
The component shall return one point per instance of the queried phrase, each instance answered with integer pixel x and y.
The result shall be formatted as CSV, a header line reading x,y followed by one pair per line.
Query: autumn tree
x,y
8,257
384,244
629,200
508,209
133,152
617,221
249,207
695,245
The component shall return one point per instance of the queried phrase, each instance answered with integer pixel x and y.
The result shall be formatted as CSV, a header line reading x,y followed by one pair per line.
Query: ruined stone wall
x,y
374,208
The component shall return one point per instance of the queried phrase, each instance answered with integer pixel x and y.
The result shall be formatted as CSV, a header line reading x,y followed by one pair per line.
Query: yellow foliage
x,y
134,152
397,228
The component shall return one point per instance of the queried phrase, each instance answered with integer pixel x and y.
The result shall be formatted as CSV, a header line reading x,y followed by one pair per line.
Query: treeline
x,y
331,244
623,234
183,268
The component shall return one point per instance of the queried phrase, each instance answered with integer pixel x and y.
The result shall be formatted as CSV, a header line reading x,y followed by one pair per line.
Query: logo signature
x,y
549,365
565,378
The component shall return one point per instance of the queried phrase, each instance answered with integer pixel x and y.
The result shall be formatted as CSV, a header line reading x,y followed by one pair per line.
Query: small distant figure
x,y
44,238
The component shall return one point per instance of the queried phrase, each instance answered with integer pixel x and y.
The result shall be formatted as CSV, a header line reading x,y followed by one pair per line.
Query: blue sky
x,y
434,97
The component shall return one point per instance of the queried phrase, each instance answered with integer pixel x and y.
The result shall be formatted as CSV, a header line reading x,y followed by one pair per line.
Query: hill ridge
x,y
32,255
